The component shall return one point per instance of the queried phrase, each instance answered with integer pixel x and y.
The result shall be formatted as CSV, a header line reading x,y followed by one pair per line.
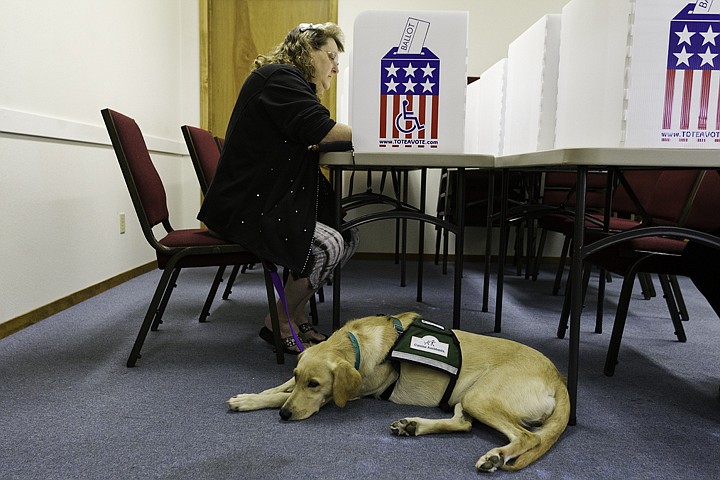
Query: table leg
x,y
576,290
338,178
502,248
421,234
403,222
488,240
459,246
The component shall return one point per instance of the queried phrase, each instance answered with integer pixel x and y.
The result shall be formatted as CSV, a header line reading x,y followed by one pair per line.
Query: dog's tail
x,y
549,432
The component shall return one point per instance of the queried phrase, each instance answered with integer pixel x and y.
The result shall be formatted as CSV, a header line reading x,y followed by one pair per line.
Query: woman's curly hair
x,y
299,44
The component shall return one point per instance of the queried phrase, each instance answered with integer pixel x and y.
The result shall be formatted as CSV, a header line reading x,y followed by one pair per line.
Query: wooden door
x,y
232,34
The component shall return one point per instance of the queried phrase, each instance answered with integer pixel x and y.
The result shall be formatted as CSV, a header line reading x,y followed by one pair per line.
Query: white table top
x,y
631,157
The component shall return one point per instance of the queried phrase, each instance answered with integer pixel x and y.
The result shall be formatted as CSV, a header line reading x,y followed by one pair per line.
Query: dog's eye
x,y
313,384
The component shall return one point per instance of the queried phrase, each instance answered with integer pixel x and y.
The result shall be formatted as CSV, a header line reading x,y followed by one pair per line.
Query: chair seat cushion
x,y
200,237
665,256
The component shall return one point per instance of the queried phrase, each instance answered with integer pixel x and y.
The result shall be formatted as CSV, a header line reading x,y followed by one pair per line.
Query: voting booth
x,y
485,111
408,81
531,91
639,73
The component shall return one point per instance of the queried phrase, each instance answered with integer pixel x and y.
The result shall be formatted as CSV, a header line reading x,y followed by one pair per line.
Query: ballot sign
x,y
690,106
409,72
639,73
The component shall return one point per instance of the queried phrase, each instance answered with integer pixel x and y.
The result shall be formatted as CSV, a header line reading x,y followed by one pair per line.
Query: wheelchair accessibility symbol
x,y
406,116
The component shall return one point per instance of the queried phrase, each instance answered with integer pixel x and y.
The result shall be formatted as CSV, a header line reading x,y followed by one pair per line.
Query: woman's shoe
x,y
306,328
288,343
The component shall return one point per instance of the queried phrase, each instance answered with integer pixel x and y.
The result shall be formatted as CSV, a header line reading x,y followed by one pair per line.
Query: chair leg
x,y
672,308
313,310
600,312
677,293
231,281
205,312
438,239
619,325
539,254
565,314
519,243
162,293
446,251
647,286
530,249
157,318
561,265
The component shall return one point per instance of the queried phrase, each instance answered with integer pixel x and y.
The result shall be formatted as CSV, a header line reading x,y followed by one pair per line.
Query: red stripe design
x,y
686,97
704,100
669,95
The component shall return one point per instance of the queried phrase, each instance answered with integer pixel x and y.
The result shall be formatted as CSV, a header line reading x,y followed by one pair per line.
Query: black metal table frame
x,y
583,160
404,212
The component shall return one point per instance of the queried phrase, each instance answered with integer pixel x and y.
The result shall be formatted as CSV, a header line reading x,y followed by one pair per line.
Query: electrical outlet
x,y
122,223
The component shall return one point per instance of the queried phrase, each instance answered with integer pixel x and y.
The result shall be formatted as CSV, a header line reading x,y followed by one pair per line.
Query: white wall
x,y
493,26
61,190
60,187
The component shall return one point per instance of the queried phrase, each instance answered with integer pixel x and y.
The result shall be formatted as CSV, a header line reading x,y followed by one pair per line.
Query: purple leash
x,y
281,293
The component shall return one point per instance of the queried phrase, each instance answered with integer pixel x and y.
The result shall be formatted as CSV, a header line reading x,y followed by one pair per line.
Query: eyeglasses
x,y
310,26
333,56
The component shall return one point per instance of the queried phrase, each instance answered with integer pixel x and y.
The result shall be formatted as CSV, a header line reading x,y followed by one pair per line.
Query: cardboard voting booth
x,y
485,111
531,92
639,73
408,81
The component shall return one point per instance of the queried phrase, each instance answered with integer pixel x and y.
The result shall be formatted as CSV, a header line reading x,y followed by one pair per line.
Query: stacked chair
x,y
680,200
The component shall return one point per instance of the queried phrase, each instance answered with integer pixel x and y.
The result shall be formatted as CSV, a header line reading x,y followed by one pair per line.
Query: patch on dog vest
x,y
427,343
431,345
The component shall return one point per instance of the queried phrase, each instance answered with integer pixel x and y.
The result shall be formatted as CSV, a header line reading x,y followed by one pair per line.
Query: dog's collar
x,y
355,343
398,325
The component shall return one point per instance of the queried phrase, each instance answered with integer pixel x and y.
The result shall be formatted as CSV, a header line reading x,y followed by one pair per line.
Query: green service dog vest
x,y
431,345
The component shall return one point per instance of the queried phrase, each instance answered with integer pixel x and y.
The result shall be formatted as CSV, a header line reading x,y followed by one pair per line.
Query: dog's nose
x,y
285,414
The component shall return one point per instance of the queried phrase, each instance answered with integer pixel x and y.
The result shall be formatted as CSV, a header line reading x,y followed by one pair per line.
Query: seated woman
x,y
268,193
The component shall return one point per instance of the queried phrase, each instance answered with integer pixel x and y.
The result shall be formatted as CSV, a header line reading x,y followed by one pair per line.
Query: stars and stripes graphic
x,y
409,100
692,82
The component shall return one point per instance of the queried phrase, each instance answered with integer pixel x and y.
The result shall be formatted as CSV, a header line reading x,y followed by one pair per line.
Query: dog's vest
x,y
431,345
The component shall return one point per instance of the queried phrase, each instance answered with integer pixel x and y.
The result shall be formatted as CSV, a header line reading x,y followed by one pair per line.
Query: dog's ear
x,y
346,383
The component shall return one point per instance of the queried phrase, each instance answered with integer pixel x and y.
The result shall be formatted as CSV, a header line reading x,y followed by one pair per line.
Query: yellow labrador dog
x,y
503,384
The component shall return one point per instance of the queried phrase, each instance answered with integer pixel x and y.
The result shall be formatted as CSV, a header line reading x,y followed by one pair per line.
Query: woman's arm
x,y
339,133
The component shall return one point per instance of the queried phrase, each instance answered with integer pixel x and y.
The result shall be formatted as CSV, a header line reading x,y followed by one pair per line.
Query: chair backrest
x,y
642,184
671,196
142,179
220,142
559,189
703,212
204,153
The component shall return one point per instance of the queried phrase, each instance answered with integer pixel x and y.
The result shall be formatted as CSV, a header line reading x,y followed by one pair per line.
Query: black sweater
x,y
267,192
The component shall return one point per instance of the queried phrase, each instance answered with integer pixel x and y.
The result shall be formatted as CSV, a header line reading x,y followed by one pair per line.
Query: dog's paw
x,y
404,428
490,462
242,402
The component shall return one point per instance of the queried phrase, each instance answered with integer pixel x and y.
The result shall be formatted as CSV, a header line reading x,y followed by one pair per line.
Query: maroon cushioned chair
x,y
177,249
220,142
205,151
681,199
559,192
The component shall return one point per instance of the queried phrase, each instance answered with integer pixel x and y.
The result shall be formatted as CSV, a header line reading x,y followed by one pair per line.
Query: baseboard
x,y
18,323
